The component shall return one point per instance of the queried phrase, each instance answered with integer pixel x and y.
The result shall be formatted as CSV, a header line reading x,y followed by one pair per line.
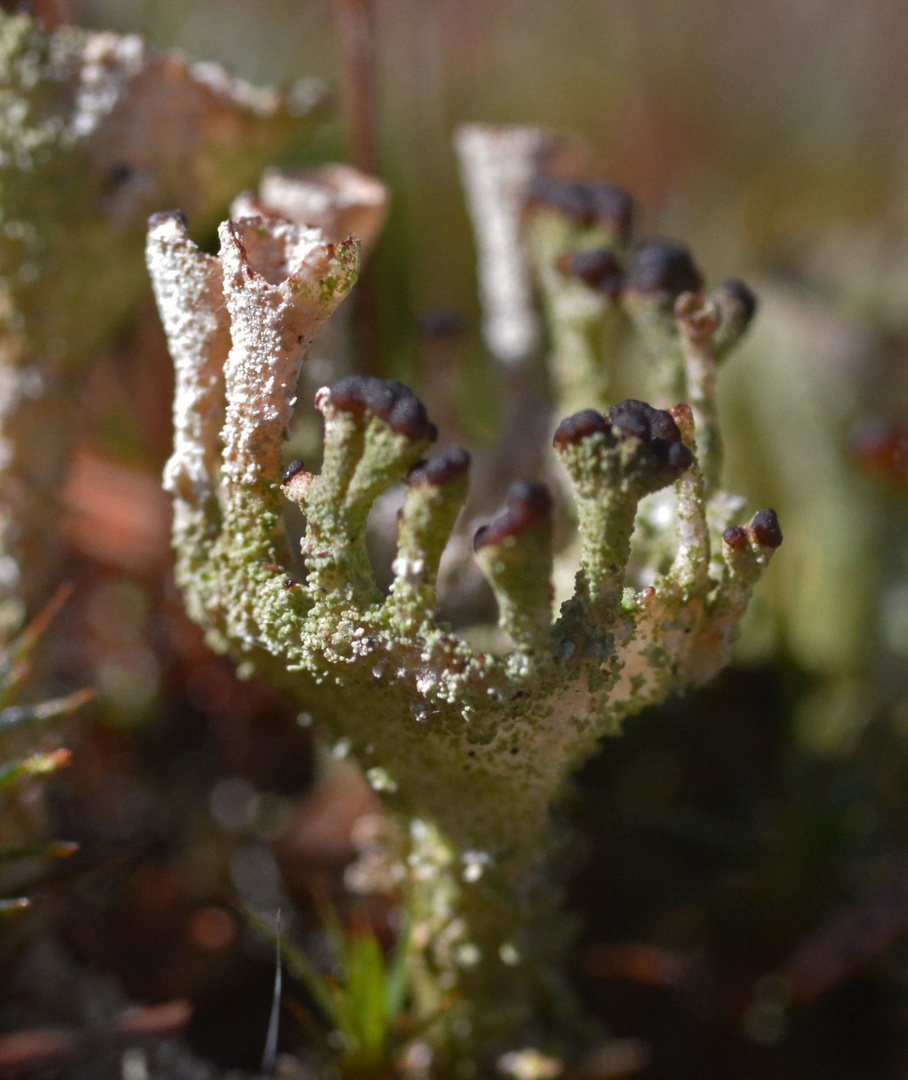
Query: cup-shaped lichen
x,y
97,130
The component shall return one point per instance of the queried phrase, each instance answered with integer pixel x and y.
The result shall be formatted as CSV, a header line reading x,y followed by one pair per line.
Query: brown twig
x,y
355,22
356,33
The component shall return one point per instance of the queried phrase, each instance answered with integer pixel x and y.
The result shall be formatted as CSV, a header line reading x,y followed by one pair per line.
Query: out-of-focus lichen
x,y
472,746
338,199
96,132
578,236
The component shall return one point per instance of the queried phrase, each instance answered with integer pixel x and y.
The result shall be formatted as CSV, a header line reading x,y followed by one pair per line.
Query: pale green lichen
x,y
578,236
471,746
96,132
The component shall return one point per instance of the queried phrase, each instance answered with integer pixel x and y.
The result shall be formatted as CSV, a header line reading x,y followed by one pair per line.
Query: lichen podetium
x,y
470,748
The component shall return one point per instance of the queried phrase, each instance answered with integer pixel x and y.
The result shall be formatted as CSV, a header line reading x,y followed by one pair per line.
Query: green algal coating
x,y
364,455
436,492
514,551
613,461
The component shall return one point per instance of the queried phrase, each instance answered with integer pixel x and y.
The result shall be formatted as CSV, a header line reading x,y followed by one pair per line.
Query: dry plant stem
x,y
357,35
356,31
471,748
96,132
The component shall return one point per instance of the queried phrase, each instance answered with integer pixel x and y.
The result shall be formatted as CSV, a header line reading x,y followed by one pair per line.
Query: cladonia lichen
x,y
97,131
470,746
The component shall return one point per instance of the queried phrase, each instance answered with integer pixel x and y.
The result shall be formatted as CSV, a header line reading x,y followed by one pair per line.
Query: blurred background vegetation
x,y
754,830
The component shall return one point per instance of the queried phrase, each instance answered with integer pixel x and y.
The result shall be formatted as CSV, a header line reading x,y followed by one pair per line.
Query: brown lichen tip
x,y
579,426
683,415
734,537
736,301
528,503
764,528
662,268
442,469
390,401
597,268
441,324
654,428
292,469
881,448
599,203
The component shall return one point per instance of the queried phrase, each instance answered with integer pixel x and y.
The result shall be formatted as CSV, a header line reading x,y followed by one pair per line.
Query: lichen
x,y
96,131
471,746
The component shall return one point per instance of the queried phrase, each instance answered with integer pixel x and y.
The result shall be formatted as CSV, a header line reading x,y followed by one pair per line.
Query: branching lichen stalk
x,y
470,746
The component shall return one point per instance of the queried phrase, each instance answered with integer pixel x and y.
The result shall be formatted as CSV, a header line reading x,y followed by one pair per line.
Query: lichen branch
x,y
471,746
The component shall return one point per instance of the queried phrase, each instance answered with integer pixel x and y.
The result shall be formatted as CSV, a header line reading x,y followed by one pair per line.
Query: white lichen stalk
x,y
188,286
340,201
280,287
239,327
498,167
